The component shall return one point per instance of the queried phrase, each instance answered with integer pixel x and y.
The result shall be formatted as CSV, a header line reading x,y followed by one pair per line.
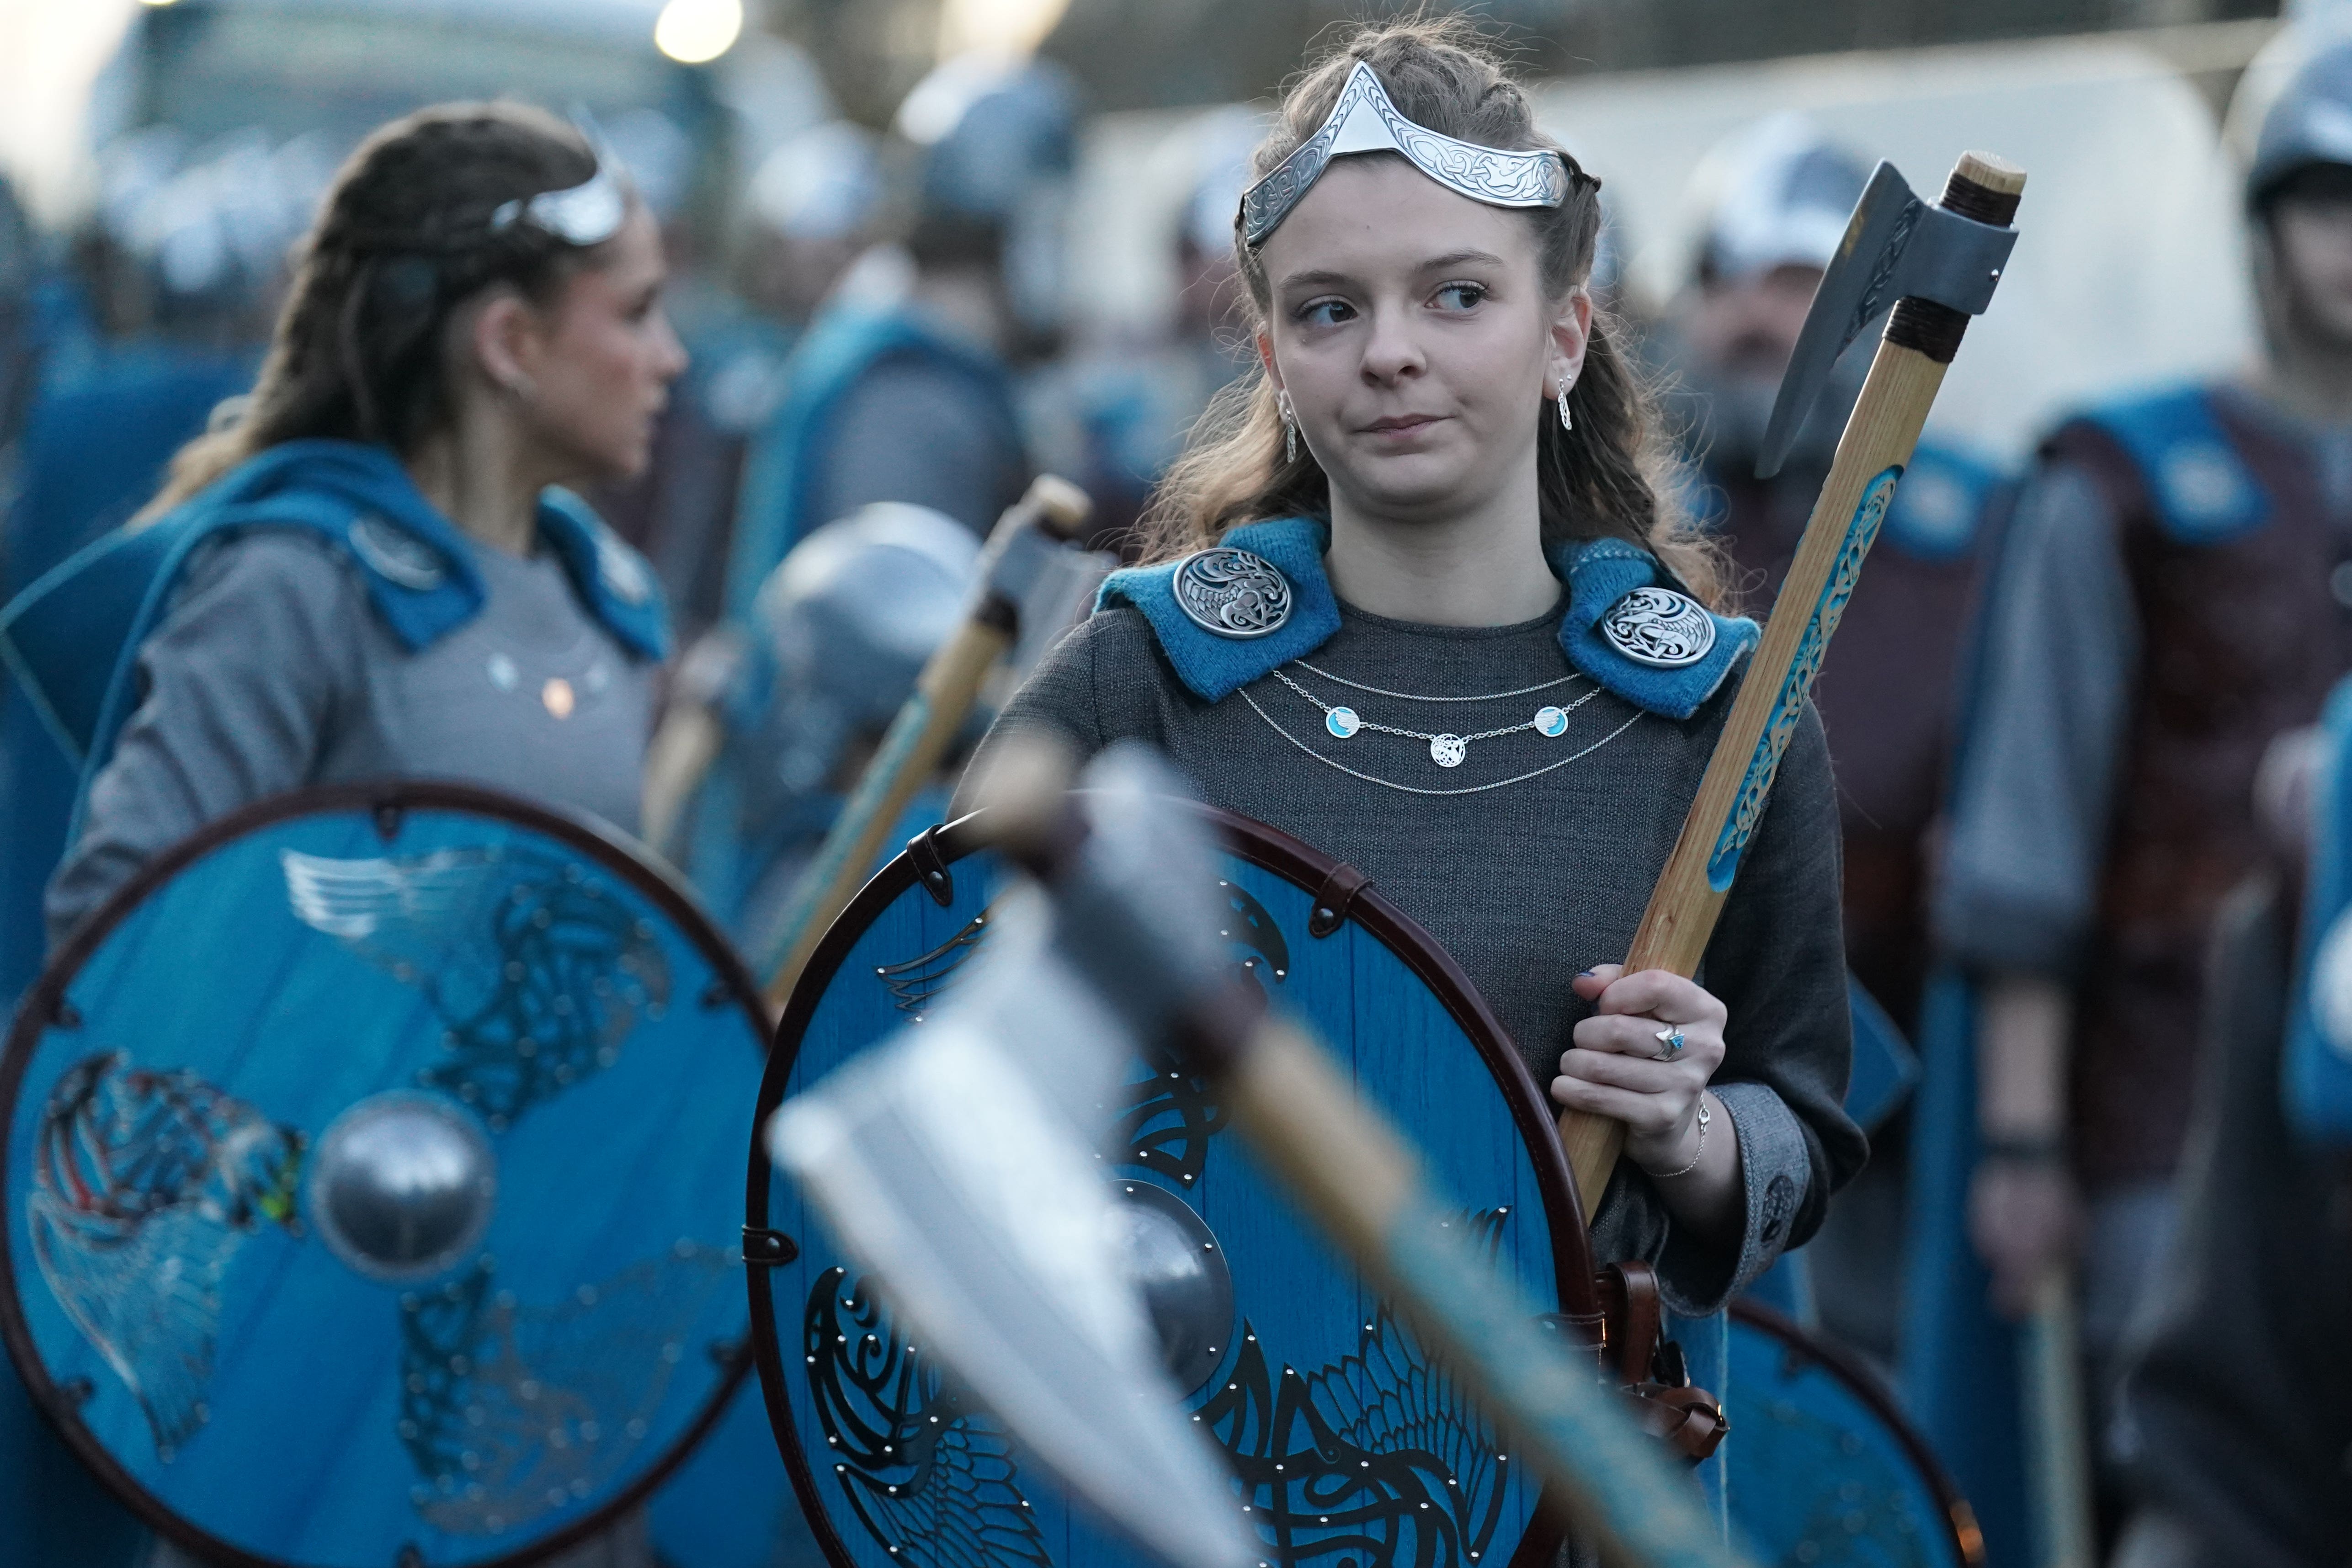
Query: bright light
x,y
693,31
159,3
1010,27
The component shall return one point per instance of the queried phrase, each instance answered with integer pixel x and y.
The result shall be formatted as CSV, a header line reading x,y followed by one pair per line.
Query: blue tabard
x,y
2201,488
72,639
1938,510
782,473
2316,1071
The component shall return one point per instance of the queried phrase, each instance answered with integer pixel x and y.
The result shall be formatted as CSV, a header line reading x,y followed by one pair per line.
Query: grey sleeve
x,y
2038,771
1777,962
913,432
240,684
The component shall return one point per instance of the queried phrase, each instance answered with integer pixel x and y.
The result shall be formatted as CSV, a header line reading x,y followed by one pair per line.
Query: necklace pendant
x,y
1342,722
1551,721
1448,750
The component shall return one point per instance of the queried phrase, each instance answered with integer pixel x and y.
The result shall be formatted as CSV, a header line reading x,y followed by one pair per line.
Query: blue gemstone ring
x,y
1672,1038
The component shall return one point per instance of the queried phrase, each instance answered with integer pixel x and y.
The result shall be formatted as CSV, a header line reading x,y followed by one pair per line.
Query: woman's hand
x,y
1621,1069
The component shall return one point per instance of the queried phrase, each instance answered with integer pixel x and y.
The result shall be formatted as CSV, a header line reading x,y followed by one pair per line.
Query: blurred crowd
x,y
2071,706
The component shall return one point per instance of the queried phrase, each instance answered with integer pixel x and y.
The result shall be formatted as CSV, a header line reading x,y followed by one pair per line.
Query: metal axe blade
x,y
1895,247
953,1168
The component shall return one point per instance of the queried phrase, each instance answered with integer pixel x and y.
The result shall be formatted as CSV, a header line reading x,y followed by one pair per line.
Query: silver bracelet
x,y
1697,1155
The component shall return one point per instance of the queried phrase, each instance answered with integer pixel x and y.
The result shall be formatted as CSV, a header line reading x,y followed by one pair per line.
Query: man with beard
x,y
1780,194
2173,595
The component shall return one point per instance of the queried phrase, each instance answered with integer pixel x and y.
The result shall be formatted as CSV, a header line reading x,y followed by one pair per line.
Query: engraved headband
x,y
1364,121
587,214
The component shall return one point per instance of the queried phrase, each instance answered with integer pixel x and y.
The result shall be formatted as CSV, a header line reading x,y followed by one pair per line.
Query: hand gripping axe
x,y
1933,268
970,1209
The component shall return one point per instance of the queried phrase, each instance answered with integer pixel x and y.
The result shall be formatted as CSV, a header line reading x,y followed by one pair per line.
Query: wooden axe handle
x,y
926,725
1879,435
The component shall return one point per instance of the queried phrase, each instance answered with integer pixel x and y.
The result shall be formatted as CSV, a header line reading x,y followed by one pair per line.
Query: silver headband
x,y
587,214
1364,121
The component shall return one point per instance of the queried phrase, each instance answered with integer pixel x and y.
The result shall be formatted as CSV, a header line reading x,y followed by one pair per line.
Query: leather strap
x,y
930,867
1629,1298
1334,897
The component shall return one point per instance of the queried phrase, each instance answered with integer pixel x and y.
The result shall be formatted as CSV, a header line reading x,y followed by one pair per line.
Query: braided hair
x,y
405,236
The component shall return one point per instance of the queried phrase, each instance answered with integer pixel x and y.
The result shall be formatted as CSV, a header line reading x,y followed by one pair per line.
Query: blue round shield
x,y
372,1181
1350,1448
1821,1467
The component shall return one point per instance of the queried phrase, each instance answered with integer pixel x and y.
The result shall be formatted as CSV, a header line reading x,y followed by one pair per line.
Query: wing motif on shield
x,y
146,1184
536,974
1379,1459
509,1412
933,1483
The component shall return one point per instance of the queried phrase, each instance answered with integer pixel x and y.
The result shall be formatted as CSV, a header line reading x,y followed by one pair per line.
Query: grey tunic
x,y
270,672
1526,884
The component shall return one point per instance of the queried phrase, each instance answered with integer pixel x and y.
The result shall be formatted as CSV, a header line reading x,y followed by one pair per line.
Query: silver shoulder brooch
x,y
1659,627
1233,593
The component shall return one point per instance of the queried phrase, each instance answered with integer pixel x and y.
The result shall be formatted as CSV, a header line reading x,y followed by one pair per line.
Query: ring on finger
x,y
1672,1038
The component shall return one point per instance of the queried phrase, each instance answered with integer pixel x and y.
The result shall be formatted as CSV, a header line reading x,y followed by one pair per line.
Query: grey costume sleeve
x,y
240,682
1778,963
2037,775
912,433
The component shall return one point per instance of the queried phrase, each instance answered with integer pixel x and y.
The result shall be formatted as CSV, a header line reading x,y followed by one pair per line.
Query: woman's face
x,y
1409,327
598,360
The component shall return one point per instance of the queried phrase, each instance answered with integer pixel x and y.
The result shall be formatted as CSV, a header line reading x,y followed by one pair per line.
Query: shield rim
x,y
1269,848
39,1008
1953,1506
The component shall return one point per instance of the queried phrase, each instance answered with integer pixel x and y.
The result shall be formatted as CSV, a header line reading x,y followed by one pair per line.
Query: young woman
x,y
369,576
1420,604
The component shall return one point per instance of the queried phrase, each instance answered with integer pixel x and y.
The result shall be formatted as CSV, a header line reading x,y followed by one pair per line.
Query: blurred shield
x,y
1821,1467
371,1181
1347,1443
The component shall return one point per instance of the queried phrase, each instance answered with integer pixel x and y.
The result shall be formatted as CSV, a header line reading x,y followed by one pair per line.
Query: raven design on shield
x,y
145,1183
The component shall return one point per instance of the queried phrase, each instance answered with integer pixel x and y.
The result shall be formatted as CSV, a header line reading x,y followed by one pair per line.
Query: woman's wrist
x,y
1688,1151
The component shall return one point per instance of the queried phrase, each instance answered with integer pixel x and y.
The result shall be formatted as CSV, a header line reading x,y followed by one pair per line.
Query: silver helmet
x,y
847,621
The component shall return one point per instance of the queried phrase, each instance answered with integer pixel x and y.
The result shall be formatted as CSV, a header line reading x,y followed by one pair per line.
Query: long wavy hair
x,y
402,239
1603,478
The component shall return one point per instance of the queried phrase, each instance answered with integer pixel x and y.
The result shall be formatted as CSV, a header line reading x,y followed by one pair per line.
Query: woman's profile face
x,y
1410,327
603,357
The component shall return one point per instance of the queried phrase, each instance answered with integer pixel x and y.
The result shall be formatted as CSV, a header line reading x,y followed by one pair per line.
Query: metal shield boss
x,y
372,1185
1344,1441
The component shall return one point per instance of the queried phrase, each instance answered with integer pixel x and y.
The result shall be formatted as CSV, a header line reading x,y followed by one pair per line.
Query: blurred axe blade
x,y
1896,246
957,1164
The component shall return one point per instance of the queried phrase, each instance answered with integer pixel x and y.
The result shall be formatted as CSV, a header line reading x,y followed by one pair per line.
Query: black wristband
x,y
2023,1149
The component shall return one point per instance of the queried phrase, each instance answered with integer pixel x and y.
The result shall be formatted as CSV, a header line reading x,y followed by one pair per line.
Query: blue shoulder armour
x,y
1258,599
1939,508
72,638
2317,1069
2201,488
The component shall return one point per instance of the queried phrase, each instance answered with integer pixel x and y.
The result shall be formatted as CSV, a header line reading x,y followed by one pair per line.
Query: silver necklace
x,y
1416,789
1417,697
1445,749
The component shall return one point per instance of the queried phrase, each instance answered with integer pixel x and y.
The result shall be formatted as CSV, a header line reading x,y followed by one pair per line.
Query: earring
x,y
1289,428
1566,421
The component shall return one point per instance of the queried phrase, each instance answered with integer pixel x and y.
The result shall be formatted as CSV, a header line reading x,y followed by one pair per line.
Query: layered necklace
x,y
1446,749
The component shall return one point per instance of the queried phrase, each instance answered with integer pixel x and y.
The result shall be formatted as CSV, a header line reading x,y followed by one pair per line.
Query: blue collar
x,y
419,568
1604,577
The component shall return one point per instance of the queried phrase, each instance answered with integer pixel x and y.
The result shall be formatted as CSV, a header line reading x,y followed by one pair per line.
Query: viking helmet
x,y
2309,123
1775,193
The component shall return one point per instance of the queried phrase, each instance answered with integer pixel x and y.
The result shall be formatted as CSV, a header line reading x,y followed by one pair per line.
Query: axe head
x,y
958,1165
1895,247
